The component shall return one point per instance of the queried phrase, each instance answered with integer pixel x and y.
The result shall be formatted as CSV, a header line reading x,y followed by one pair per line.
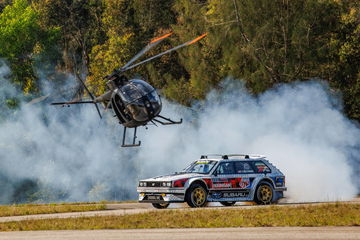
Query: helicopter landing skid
x,y
134,139
167,121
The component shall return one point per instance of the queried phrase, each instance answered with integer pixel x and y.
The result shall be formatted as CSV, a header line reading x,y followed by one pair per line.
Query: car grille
x,y
153,184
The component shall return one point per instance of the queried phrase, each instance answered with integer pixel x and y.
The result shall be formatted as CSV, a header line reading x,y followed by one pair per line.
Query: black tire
x,y
160,205
264,194
227,204
196,196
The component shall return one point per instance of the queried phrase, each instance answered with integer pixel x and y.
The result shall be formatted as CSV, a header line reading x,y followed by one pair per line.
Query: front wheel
x,y
264,194
196,196
227,204
160,205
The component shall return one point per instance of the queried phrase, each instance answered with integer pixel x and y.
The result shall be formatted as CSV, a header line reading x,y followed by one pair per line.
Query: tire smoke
x,y
51,154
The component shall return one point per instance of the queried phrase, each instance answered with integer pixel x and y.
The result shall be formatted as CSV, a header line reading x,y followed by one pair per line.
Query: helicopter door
x,y
118,107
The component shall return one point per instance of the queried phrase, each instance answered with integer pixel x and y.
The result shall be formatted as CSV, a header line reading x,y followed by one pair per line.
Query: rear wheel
x,y
227,204
160,205
264,194
196,196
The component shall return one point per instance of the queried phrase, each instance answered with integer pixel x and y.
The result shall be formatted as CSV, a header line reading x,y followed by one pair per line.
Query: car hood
x,y
172,177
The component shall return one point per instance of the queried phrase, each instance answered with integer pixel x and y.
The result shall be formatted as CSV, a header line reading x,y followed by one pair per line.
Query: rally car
x,y
217,178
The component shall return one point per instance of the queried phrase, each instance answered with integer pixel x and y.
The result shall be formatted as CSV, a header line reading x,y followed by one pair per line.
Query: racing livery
x,y
217,178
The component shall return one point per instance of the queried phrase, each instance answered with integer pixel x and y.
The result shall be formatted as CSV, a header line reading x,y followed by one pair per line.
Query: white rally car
x,y
217,178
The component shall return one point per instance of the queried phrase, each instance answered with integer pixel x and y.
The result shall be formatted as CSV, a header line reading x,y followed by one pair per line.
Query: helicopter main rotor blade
x,y
152,44
166,52
90,94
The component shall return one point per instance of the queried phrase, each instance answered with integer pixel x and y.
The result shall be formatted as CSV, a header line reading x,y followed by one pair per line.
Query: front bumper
x,y
160,195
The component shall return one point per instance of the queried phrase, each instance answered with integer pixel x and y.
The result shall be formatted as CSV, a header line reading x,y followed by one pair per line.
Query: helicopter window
x,y
154,97
130,93
143,86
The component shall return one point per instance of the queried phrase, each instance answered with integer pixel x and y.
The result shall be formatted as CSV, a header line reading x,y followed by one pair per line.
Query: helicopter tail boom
x,y
70,103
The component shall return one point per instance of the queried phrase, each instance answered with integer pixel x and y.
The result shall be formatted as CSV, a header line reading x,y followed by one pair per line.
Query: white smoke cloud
x,y
300,127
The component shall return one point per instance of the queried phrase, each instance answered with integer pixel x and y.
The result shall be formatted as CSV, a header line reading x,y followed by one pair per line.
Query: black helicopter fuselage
x,y
134,102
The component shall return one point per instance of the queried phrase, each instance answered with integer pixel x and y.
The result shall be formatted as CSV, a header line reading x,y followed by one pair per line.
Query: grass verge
x,y
30,209
338,214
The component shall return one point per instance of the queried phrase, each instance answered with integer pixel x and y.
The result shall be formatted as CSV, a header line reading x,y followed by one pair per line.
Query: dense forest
x,y
262,42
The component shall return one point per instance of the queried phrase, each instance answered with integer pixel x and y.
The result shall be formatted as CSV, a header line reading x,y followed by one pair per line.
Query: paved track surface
x,y
274,233
134,208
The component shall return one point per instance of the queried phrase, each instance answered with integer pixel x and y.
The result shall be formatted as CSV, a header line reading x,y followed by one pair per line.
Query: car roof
x,y
237,157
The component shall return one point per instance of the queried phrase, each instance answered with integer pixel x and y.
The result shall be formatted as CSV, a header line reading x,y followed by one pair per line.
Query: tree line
x,y
262,42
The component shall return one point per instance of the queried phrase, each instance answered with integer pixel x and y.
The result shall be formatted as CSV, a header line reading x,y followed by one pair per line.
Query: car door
x,y
246,178
222,176
225,183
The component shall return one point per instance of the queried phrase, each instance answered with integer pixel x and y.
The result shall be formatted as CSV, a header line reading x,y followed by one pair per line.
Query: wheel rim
x,y
199,196
163,204
265,193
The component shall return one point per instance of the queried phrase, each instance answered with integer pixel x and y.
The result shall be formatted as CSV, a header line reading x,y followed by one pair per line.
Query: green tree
x,y
344,69
117,44
263,42
79,22
20,38
129,26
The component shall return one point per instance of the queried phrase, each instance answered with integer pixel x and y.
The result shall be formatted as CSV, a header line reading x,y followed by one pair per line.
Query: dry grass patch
x,y
338,214
30,209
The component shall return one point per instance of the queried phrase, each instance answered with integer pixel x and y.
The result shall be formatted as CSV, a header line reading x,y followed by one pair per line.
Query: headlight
x,y
142,184
166,184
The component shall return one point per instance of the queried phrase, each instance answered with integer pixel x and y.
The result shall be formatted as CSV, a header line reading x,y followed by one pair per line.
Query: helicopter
x,y
134,101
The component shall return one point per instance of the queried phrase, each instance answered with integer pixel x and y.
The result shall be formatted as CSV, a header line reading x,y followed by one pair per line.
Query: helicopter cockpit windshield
x,y
134,90
143,86
141,100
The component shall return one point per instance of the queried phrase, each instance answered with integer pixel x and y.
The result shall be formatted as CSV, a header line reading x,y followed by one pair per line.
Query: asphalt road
x,y
272,233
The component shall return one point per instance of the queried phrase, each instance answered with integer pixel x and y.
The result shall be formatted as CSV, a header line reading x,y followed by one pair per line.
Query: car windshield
x,y
201,166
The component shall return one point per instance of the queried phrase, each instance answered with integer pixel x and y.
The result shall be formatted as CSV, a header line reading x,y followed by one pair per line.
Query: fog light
x,y
142,194
163,194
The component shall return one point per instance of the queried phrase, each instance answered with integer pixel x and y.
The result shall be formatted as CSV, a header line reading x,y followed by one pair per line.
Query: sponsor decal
x,y
202,162
220,180
208,182
244,183
261,167
216,195
235,194
240,183
279,181
222,185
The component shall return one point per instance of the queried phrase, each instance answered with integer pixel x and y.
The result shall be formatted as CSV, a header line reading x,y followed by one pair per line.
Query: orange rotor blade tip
x,y
159,38
197,39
